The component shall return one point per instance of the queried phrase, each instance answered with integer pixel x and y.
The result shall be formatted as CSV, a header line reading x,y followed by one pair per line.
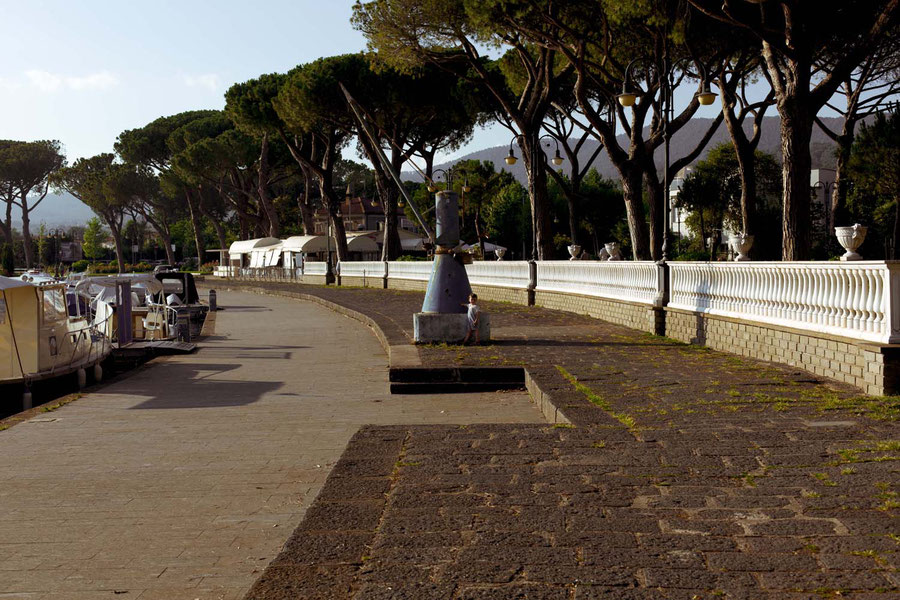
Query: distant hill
x,y
56,211
682,143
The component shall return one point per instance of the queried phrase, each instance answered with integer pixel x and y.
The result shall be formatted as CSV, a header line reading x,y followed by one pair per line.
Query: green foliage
x,y
875,171
94,236
712,193
7,260
113,267
79,266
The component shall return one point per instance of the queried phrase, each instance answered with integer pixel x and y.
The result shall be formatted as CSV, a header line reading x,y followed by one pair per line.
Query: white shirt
x,y
472,314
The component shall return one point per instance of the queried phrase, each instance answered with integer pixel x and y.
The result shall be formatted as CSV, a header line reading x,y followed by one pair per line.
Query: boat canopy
x,y
8,283
105,287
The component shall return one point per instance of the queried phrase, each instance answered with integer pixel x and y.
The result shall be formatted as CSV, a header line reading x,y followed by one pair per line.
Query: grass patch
x,y
825,479
596,399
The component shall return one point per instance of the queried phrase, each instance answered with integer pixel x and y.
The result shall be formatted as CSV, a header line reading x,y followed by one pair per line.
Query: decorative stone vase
x,y
741,244
613,249
574,251
851,238
499,252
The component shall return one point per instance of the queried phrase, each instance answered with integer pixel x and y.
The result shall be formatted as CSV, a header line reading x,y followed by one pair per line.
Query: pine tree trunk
x,y
196,225
262,182
796,132
837,211
27,240
307,218
117,241
746,169
537,192
632,180
655,194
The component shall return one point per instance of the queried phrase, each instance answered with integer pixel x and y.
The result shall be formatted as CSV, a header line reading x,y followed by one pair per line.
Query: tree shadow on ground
x,y
190,385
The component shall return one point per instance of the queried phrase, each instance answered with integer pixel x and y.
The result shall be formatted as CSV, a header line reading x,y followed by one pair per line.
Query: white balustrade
x,y
857,300
632,281
312,267
499,273
374,269
411,270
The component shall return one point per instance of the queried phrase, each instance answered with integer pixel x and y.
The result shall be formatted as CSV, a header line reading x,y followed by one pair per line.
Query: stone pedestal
x,y
450,328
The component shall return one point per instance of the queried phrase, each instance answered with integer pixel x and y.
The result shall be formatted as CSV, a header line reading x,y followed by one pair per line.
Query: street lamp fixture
x,y
557,159
628,98
511,157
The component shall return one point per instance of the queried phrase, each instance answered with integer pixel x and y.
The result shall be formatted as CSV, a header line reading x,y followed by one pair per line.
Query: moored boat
x,y
40,339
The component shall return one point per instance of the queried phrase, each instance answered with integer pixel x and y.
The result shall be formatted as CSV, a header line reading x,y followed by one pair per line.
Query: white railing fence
x,y
632,281
499,273
364,269
415,271
859,300
311,267
848,299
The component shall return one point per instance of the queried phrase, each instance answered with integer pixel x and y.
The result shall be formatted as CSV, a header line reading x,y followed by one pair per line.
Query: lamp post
x,y
329,272
666,74
511,159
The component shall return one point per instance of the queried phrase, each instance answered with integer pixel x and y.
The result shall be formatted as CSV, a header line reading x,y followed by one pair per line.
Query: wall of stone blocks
x,y
869,367
311,279
636,316
407,284
501,294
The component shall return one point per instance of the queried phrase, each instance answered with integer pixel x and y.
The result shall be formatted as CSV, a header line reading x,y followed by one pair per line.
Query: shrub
x,y
189,264
7,260
209,267
79,266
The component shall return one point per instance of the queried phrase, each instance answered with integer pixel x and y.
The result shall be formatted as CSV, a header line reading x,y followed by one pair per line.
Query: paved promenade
x,y
185,479
684,474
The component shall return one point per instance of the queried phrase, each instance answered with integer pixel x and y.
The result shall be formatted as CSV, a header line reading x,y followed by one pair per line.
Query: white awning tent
x,y
362,242
305,243
488,247
413,244
238,249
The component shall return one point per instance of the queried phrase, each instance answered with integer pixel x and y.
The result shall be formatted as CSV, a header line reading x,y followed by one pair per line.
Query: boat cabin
x,y
38,336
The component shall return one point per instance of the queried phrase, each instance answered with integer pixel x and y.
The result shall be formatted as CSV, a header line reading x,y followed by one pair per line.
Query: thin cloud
x,y
209,81
46,81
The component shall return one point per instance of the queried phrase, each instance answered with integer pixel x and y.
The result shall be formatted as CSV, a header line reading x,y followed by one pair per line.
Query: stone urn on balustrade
x,y
613,249
574,251
851,238
741,244
499,253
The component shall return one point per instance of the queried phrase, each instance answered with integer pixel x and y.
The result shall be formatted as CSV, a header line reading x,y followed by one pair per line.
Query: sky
x,y
83,72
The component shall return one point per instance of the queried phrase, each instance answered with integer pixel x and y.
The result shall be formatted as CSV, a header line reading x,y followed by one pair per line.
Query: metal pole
x,y
329,275
534,166
667,107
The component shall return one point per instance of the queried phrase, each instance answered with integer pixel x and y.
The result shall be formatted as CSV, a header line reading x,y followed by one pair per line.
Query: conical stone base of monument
x,y
448,288
443,318
443,328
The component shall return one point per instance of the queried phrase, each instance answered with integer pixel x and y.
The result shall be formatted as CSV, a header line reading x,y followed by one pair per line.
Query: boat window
x,y
54,305
173,286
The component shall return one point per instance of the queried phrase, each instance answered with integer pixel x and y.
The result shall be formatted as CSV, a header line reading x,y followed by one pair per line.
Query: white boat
x,y
150,318
40,339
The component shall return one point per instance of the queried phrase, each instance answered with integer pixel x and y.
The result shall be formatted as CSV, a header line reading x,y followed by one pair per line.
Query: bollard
x,y
212,301
26,400
183,327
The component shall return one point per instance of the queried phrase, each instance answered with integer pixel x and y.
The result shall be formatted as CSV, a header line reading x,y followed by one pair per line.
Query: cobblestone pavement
x,y
686,474
185,479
